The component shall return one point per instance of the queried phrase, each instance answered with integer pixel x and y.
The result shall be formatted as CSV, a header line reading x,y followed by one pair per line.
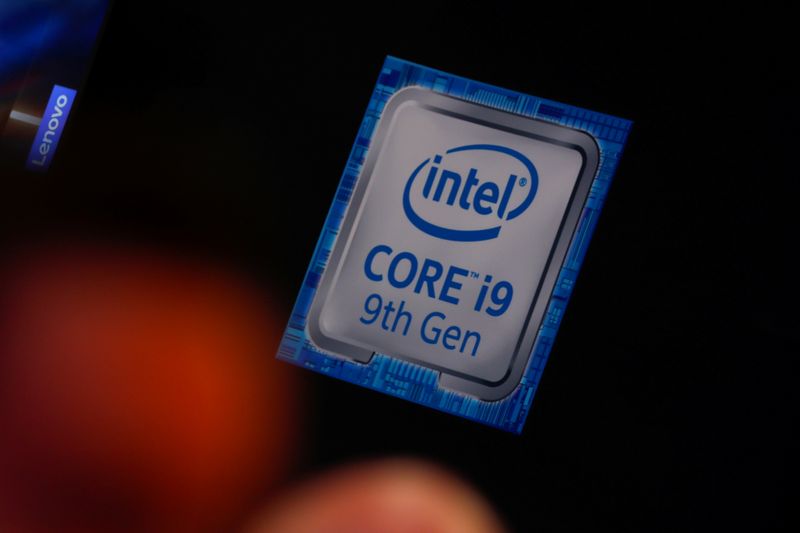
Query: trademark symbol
x,y
474,274
523,181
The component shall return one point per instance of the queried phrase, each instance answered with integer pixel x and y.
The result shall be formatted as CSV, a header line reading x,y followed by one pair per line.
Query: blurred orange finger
x,y
393,496
138,392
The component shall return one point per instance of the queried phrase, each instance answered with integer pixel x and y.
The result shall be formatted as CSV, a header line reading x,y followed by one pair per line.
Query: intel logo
x,y
467,194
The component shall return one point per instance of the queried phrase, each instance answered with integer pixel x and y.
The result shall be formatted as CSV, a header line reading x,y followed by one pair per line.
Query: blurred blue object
x,y
43,44
32,27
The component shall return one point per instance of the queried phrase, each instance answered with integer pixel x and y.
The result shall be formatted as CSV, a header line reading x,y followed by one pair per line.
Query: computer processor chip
x,y
451,255
446,245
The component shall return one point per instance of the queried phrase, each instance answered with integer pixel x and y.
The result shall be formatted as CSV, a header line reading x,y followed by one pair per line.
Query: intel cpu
x,y
453,242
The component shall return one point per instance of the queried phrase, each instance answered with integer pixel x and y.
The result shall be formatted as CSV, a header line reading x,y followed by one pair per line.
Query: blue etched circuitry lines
x,y
498,101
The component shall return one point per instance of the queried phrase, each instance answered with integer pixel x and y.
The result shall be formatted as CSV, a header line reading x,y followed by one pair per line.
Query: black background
x,y
668,400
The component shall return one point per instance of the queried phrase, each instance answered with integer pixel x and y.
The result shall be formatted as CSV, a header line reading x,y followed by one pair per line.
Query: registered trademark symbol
x,y
523,181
